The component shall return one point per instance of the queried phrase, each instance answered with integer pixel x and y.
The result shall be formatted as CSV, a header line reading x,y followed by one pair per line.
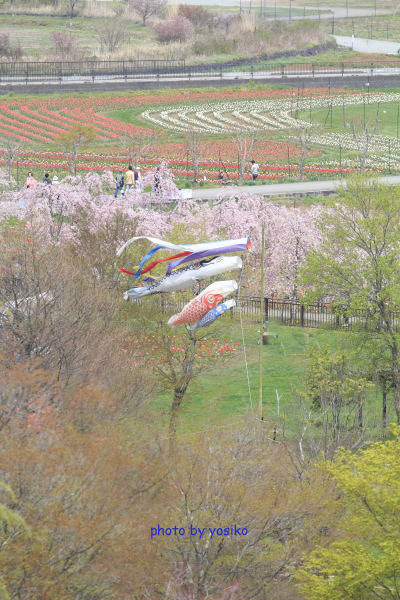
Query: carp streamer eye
x,y
209,299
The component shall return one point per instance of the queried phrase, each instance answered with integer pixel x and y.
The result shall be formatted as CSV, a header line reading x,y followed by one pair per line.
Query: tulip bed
x,y
37,123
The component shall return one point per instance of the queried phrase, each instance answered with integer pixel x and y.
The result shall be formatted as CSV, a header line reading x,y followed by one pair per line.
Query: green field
x,y
389,116
223,394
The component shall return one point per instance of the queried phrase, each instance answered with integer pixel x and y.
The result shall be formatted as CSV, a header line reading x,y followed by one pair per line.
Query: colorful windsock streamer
x,y
194,251
187,276
205,301
213,314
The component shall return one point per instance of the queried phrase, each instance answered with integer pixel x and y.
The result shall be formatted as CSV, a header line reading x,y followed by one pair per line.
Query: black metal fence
x,y
90,71
87,70
293,313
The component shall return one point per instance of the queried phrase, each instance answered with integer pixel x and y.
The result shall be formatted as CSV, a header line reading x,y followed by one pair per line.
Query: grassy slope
x,y
223,394
387,124
34,32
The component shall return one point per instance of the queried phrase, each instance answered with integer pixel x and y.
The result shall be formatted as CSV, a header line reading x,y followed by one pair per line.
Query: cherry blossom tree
x,y
225,20
245,141
82,211
174,29
147,8
305,136
195,149
11,145
289,234
138,145
74,141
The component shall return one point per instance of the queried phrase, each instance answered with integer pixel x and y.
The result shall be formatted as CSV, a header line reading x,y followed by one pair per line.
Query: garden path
x,y
288,189
367,46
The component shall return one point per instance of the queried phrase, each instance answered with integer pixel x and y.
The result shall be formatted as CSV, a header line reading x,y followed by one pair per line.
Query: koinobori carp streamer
x,y
205,301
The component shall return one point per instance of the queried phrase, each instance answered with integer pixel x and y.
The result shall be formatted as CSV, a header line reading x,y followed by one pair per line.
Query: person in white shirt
x,y
254,169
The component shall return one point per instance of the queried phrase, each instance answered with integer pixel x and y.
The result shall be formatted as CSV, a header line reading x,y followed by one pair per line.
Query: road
x,y
295,70
286,189
367,46
337,13
325,11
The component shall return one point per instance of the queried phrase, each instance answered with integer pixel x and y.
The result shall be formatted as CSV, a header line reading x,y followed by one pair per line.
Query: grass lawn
x,y
388,117
223,394
34,32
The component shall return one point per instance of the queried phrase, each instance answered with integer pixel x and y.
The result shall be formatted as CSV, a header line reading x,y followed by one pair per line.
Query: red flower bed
x,y
41,121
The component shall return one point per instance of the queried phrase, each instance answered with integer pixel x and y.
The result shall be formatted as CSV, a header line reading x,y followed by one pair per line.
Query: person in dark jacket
x,y
157,187
119,180
46,179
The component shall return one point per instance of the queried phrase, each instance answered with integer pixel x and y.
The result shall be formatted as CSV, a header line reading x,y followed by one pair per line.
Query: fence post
x,y
266,309
27,73
301,315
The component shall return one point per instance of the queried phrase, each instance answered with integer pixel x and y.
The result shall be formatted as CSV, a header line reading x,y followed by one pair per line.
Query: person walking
x,y
46,179
157,181
138,179
119,180
129,180
30,180
254,169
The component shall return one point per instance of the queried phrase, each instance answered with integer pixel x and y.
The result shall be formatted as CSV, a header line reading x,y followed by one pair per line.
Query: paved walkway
x,y
325,11
288,189
279,73
367,46
329,14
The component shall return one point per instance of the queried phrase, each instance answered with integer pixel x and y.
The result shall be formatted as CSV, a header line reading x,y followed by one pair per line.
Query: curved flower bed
x,y
39,121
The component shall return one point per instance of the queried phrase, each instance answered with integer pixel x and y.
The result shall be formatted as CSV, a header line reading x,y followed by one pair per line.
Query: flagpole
x,y
260,365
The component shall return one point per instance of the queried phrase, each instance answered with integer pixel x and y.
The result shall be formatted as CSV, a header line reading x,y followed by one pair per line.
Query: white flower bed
x,y
217,118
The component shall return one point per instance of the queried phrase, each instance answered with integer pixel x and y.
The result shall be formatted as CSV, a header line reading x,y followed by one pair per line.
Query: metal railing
x,y
295,314
86,70
90,71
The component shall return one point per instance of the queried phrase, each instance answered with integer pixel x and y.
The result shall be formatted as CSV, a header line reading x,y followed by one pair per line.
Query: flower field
x,y
37,123
41,121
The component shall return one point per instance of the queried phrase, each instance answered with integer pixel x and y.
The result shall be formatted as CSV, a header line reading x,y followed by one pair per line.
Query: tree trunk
x,y
384,407
396,380
335,407
302,161
179,393
360,415
180,388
